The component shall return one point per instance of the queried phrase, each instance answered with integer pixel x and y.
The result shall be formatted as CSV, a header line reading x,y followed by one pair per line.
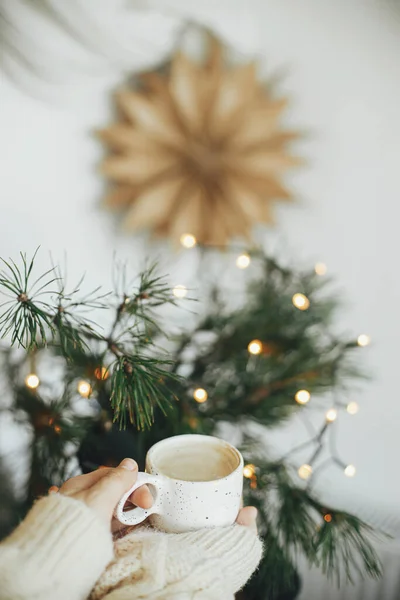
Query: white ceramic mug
x,y
196,482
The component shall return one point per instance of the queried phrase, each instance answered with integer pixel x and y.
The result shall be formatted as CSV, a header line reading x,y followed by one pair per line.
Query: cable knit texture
x,y
206,564
61,550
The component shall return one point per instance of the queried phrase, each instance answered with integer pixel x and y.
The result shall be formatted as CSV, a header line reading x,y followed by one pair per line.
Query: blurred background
x,y
338,65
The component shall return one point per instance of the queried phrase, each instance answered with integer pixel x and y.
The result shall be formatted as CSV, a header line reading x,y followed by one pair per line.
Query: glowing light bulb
x,y
253,483
249,471
327,518
32,381
179,291
243,261
57,429
193,422
188,240
305,471
352,408
101,373
200,395
331,415
363,340
301,301
350,471
84,388
255,347
320,268
302,396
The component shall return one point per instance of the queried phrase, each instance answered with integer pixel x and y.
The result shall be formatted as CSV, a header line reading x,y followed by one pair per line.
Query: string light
x,y
249,471
188,240
193,422
84,388
320,268
350,471
327,518
255,347
363,340
101,373
301,301
32,381
352,408
57,429
302,396
253,483
200,395
305,471
179,291
331,415
243,261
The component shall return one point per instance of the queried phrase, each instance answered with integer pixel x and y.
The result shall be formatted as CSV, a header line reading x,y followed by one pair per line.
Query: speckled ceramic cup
x,y
196,482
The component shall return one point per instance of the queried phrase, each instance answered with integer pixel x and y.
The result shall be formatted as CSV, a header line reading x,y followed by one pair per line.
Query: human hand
x,y
248,517
102,489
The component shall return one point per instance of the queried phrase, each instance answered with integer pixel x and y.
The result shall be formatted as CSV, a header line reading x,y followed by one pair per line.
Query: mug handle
x,y
136,515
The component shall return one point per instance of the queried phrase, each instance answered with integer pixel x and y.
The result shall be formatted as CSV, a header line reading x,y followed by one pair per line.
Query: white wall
x,y
341,61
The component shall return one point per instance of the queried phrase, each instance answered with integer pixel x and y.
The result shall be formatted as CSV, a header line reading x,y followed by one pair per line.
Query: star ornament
x,y
198,150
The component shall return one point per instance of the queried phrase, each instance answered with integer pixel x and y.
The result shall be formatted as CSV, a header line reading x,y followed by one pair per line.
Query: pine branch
x,y
336,541
61,322
137,388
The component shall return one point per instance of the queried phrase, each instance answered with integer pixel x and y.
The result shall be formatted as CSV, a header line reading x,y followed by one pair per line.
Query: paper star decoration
x,y
199,150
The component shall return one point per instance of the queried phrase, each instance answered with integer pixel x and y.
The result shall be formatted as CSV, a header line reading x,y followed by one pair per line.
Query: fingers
x,y
142,497
82,482
104,495
248,517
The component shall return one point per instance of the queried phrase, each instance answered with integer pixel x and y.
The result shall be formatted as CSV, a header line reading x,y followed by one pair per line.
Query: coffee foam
x,y
197,460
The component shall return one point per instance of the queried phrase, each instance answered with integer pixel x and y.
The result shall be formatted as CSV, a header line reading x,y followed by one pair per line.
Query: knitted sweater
x,y
61,550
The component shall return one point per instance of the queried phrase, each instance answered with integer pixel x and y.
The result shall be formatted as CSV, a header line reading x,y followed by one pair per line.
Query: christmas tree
x,y
90,396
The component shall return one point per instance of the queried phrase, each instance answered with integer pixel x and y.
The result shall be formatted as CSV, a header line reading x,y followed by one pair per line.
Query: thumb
x,y
105,494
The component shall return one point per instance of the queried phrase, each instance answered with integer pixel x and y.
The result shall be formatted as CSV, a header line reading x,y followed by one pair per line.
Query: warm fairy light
x,y
302,396
249,471
305,471
84,388
255,347
331,415
352,408
200,395
101,373
301,301
243,261
57,429
350,471
320,268
32,381
179,291
188,240
363,340
327,518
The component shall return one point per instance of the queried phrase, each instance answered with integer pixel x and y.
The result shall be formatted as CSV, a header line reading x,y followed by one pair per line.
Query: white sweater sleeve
x,y
58,552
210,564
61,549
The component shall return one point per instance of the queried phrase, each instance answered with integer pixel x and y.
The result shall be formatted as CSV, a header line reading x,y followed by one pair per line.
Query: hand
x,y
102,489
248,517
